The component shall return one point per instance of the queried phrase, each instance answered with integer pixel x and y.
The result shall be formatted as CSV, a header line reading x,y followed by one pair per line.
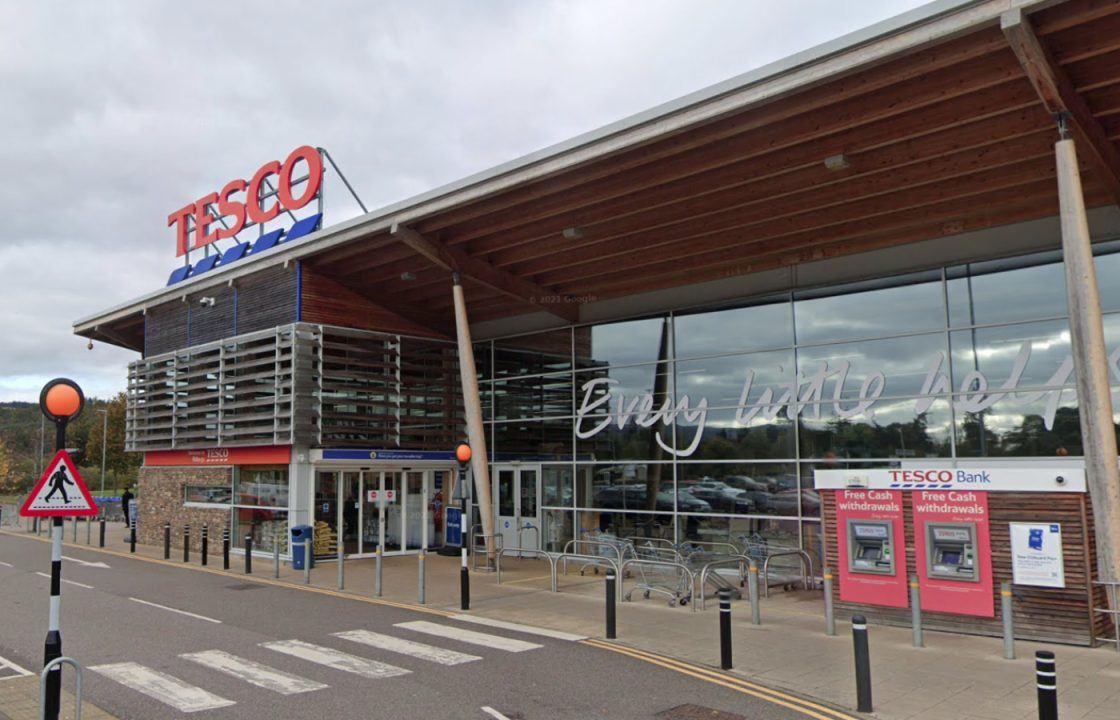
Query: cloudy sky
x,y
114,114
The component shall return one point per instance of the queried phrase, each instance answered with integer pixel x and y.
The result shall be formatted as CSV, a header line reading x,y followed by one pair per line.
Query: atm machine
x,y
951,552
871,547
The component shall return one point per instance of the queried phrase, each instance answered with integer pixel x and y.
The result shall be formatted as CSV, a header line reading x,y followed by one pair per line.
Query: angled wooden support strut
x,y
1061,98
457,261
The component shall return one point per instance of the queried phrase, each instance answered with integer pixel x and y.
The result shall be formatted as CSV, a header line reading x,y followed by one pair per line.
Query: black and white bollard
x,y
863,663
1046,677
205,545
132,534
612,594
187,543
101,534
916,611
464,582
225,548
248,554
725,629
1008,620
829,615
167,541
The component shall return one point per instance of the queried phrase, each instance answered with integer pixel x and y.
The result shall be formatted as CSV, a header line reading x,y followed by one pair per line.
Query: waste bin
x,y
301,546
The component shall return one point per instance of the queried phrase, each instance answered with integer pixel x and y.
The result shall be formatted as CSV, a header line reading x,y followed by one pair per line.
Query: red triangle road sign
x,y
61,492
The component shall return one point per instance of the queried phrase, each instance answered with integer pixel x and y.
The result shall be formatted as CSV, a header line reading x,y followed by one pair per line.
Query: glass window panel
x,y
895,430
740,488
532,440
556,485
1027,355
261,486
721,380
269,528
616,389
627,486
557,528
624,343
986,293
758,327
528,482
541,396
1108,266
757,537
913,307
728,435
482,360
616,437
854,368
505,492
209,494
1030,425
611,525
537,354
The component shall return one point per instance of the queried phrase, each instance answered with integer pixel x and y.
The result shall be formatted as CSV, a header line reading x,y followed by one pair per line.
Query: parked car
x,y
754,495
717,494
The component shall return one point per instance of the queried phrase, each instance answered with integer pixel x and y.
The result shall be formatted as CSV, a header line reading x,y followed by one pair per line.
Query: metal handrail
x,y
596,559
1112,590
43,685
711,547
535,551
661,563
806,562
571,548
740,561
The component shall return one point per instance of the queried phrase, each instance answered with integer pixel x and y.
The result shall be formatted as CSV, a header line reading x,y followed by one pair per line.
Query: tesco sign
x,y
248,202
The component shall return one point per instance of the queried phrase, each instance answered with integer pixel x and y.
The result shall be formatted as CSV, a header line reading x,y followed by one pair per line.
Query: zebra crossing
x,y
188,698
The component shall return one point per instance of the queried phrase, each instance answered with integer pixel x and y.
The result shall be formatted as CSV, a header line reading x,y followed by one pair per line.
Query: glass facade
x,y
708,424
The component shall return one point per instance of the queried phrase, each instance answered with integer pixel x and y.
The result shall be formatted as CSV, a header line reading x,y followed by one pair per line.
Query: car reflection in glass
x,y
633,497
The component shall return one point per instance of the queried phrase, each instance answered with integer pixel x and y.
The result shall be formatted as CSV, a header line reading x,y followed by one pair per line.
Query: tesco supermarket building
x,y
849,260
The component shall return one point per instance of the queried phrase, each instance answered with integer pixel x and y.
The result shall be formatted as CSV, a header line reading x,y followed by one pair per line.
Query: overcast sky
x,y
114,114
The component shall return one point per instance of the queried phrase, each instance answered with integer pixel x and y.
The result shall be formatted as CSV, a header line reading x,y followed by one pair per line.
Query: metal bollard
x,y
420,591
74,528
341,566
205,545
863,663
307,560
1046,678
89,530
101,534
752,584
275,559
725,629
829,616
377,573
1008,620
916,611
248,554
167,541
187,543
612,593
225,548
132,535
464,583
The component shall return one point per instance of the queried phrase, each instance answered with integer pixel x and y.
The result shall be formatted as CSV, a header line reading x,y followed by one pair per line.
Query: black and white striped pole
x,y
463,456
724,629
187,543
205,544
1046,677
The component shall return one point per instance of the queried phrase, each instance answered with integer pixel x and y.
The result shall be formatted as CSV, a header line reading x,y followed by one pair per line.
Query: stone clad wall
x,y
160,498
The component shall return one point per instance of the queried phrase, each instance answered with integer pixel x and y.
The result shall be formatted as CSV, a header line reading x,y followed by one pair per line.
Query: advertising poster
x,y
1036,555
867,588
958,516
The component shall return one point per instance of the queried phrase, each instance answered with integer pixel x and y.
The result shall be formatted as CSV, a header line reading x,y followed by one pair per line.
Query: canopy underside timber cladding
x,y
949,138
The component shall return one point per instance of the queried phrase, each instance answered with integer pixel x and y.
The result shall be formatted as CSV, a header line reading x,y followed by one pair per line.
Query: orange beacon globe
x,y
62,400
463,453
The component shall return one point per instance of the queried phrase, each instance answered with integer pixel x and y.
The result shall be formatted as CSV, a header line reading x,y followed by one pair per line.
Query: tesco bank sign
x,y
243,202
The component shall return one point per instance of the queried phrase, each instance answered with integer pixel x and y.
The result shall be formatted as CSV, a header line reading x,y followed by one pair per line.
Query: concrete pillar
x,y
476,431
1090,362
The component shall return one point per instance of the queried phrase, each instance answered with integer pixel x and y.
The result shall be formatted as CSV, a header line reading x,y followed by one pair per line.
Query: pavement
x,y
786,663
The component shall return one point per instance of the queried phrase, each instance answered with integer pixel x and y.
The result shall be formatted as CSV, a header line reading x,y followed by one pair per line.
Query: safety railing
x,y
527,551
662,548
740,562
715,548
58,662
592,552
1112,591
806,563
528,526
685,580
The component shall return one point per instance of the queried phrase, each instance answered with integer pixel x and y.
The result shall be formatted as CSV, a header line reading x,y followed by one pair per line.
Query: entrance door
x,y
350,509
517,489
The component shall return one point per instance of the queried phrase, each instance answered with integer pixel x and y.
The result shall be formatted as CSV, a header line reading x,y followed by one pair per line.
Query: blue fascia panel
x,y
235,253
266,241
205,264
306,226
179,274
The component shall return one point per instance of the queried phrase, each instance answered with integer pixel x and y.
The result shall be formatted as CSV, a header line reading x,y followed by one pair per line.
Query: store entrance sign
x,y
241,203
1036,555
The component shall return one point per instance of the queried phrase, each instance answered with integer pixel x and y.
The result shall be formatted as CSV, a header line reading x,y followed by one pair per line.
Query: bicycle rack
x,y
43,685
806,569
532,552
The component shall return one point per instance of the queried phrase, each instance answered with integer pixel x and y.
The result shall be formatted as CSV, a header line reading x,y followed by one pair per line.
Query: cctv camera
x,y
1060,480
207,301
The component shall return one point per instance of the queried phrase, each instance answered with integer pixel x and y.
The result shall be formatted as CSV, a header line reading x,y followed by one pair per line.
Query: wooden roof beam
x,y
1058,94
457,261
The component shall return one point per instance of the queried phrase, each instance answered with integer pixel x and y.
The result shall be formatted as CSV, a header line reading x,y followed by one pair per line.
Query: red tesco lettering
x,y
253,209
921,476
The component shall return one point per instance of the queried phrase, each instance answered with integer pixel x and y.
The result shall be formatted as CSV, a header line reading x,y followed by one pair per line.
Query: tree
x,y
118,462
10,480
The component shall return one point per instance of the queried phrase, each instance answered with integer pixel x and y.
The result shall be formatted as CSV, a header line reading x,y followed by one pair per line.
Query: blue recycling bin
x,y
301,547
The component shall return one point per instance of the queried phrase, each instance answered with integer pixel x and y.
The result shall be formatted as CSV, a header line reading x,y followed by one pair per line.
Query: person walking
x,y
126,499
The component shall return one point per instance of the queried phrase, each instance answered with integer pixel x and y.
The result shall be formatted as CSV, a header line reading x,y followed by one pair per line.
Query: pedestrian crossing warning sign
x,y
61,492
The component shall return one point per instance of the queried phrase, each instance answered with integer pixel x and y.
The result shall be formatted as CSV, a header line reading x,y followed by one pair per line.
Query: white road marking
x,y
174,610
407,647
335,659
87,564
517,627
165,688
493,713
6,564
68,582
20,672
254,673
469,636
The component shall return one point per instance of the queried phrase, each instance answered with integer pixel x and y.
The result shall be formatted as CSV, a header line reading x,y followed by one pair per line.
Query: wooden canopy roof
x,y
942,125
